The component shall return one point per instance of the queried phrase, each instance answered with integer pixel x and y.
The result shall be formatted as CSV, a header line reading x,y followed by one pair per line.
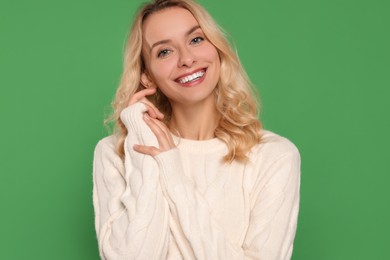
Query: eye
x,y
197,40
163,53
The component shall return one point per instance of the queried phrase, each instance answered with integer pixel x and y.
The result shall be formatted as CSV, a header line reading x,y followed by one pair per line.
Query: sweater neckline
x,y
200,146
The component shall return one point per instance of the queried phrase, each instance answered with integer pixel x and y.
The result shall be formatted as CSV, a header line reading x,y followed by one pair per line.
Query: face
x,y
179,59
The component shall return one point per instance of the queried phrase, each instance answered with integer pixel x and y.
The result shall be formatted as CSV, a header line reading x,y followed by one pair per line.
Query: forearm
x,y
132,213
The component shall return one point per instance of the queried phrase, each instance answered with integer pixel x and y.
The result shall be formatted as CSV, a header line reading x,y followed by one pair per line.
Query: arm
x,y
274,214
131,213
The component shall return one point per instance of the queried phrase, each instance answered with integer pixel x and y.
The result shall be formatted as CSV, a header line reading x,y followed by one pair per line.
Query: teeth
x,y
192,77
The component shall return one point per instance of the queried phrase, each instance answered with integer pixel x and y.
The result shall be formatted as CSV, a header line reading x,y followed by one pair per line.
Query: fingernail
x,y
146,117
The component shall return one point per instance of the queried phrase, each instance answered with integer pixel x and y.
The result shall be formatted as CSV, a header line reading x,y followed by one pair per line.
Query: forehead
x,y
167,24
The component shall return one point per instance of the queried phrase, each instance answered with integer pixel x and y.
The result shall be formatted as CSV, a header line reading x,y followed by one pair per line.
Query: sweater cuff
x,y
138,131
171,169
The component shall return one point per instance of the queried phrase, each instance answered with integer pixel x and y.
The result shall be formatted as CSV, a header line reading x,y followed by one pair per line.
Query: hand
x,y
140,96
164,137
153,119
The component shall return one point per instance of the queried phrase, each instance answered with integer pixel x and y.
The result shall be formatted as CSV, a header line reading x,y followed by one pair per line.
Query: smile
x,y
194,76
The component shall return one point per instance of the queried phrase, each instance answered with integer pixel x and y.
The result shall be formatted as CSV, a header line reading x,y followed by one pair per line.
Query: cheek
x,y
161,70
210,54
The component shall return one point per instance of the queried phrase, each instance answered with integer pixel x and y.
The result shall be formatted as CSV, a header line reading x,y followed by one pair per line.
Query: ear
x,y
146,81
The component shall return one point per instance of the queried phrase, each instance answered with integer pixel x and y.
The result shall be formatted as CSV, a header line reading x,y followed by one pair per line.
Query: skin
x,y
172,51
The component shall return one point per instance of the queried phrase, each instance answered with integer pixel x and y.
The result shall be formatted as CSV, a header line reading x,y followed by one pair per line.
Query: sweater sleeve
x,y
272,222
274,213
131,213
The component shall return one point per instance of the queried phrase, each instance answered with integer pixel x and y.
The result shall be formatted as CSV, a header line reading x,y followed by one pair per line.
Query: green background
x,y
322,68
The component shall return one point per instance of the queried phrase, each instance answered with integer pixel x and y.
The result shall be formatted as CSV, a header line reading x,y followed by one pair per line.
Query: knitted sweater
x,y
186,203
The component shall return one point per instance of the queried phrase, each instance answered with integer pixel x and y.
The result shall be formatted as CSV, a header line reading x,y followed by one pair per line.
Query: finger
x,y
148,150
169,144
152,110
161,132
141,94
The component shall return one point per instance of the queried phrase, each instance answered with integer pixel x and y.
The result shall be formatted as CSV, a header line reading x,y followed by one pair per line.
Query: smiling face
x,y
179,59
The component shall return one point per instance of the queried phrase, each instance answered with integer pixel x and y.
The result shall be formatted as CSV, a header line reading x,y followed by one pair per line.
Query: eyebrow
x,y
193,29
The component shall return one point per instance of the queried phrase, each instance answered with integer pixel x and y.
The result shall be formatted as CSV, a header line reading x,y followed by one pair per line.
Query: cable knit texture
x,y
186,203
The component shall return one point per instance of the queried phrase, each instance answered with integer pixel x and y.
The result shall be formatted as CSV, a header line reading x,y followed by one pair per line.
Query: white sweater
x,y
187,204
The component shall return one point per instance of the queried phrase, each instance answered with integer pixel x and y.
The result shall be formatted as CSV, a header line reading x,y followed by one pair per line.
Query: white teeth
x,y
192,77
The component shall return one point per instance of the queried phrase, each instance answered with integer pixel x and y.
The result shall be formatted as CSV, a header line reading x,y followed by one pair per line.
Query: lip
x,y
194,82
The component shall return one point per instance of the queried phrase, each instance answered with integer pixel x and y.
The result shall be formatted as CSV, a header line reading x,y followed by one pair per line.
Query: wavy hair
x,y
235,96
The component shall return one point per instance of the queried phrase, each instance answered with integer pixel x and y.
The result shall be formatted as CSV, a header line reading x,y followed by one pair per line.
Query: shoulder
x,y
108,167
105,153
272,148
106,146
107,142
276,144
275,158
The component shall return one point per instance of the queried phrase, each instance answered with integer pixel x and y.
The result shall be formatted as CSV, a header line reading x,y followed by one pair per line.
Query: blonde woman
x,y
189,173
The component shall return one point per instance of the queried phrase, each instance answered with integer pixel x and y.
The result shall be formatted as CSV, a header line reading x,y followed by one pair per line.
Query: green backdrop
x,y
322,68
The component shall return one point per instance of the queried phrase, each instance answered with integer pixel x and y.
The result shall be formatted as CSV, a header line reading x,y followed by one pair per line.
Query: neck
x,y
197,122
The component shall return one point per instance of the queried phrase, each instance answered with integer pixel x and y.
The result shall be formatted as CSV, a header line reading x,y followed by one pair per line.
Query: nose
x,y
186,57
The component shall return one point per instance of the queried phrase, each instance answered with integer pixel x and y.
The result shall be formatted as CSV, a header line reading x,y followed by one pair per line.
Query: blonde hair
x,y
238,126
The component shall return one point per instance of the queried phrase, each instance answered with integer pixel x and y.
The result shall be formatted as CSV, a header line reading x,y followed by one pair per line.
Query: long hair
x,y
235,96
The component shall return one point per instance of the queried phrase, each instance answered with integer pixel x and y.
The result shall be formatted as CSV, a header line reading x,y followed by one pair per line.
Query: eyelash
x,y
196,40
165,52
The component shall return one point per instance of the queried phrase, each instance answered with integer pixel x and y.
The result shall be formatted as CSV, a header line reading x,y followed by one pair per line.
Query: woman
x,y
189,173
